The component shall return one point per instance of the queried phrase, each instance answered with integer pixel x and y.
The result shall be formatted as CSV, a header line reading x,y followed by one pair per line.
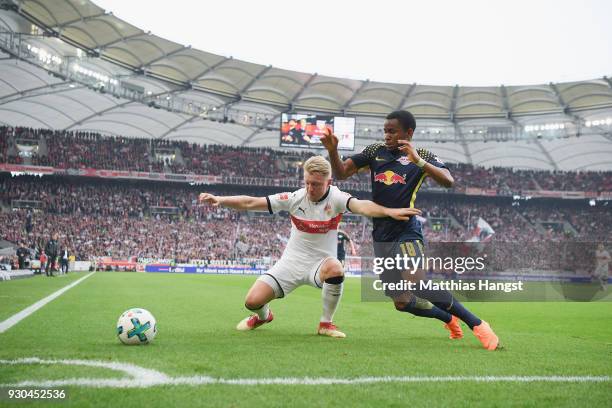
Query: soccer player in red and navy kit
x,y
397,171
310,255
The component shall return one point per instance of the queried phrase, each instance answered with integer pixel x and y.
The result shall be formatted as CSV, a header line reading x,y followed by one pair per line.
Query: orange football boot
x,y
454,328
486,335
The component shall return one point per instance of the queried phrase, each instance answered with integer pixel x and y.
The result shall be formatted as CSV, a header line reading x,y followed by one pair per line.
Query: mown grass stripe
x,y
17,317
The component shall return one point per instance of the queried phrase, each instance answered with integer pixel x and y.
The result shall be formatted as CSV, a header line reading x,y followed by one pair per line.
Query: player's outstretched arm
x,y
341,169
235,202
371,209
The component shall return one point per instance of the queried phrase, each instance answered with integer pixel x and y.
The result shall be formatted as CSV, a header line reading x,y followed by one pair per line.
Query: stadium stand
x,y
163,220
503,145
78,150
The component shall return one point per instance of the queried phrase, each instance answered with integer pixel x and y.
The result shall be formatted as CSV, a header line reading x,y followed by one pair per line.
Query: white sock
x,y
330,295
262,312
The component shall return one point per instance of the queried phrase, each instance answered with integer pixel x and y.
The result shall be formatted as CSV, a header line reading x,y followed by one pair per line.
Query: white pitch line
x,y
143,378
140,376
16,318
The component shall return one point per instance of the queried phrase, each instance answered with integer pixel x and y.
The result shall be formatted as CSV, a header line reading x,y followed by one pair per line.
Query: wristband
x,y
421,163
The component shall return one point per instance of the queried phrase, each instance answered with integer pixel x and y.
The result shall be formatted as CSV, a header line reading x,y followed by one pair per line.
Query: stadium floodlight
x,y
546,127
599,122
93,74
44,56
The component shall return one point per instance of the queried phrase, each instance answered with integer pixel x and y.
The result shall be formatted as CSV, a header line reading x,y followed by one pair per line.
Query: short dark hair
x,y
405,118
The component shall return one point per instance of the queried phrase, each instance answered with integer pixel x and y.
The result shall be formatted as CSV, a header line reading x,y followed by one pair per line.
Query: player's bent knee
x,y
254,303
259,294
332,268
251,306
335,280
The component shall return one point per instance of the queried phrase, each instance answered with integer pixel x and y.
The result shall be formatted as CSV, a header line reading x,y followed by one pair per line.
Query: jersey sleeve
x,y
367,155
340,200
431,158
280,202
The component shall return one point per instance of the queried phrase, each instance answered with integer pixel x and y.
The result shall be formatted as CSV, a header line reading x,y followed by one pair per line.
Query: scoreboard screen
x,y
300,130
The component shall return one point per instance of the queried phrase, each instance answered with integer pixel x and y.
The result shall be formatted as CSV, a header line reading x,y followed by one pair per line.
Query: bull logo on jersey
x,y
389,177
404,160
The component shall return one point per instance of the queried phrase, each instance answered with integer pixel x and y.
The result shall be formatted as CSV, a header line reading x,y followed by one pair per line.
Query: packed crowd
x,y
73,196
593,224
92,150
219,236
505,220
122,219
235,161
581,181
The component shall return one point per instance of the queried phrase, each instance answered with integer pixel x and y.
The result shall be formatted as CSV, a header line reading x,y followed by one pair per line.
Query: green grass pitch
x,y
197,314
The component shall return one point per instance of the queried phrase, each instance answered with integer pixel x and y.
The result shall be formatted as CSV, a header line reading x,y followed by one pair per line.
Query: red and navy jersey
x,y
395,184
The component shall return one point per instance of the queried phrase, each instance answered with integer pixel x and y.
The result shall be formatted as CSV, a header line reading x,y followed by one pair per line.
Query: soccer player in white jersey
x,y
310,255
602,260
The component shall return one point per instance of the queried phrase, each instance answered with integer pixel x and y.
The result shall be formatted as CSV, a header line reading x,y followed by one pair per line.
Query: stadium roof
x,y
463,118
89,27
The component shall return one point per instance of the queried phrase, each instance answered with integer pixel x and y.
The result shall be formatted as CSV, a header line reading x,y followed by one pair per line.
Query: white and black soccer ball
x,y
136,326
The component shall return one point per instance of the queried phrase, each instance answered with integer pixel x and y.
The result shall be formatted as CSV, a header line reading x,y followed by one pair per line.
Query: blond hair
x,y
318,164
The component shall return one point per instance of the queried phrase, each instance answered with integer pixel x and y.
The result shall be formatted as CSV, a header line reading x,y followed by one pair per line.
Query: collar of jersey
x,y
393,152
324,196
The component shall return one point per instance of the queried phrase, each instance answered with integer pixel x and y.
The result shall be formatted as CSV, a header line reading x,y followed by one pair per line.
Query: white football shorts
x,y
286,275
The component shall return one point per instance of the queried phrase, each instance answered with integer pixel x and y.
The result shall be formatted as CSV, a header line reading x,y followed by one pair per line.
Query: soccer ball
x,y
136,326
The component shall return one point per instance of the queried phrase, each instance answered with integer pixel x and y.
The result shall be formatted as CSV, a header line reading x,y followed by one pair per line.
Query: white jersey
x,y
314,225
602,259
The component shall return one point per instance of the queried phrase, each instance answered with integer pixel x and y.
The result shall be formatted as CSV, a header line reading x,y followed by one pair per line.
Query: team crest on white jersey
x,y
328,209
